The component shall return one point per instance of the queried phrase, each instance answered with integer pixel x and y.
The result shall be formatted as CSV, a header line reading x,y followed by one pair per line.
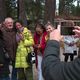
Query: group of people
x,y
15,40
41,37
50,57
15,45
52,67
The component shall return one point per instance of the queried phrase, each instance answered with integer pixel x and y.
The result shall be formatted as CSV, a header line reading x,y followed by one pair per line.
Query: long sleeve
x,y
43,42
28,39
54,69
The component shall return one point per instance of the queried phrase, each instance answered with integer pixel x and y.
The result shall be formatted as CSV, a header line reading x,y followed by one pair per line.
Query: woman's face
x,y
18,25
49,28
39,30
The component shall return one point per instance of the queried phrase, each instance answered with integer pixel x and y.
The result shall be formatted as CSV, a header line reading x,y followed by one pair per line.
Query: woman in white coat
x,y
70,48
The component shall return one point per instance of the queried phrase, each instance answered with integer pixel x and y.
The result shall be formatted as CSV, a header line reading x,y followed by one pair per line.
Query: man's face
x,y
9,24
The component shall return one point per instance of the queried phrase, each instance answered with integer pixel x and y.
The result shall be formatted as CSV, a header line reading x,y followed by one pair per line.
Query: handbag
x,y
30,58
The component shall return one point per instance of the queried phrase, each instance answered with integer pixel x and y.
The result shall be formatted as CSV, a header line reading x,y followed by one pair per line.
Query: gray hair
x,y
9,19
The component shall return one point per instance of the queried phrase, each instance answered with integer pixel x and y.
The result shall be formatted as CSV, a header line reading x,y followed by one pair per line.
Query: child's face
x,y
49,28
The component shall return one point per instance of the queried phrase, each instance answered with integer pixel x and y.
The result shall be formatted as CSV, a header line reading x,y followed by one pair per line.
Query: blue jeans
x,y
40,77
14,74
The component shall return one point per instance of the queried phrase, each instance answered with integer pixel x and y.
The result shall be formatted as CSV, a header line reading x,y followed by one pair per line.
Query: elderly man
x,y
52,67
9,36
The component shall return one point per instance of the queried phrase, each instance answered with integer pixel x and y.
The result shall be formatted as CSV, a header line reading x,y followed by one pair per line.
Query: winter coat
x,y
23,49
42,44
9,36
70,40
4,64
2,55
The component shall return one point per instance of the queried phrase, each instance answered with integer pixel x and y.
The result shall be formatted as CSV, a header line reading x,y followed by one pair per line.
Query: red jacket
x,y
42,43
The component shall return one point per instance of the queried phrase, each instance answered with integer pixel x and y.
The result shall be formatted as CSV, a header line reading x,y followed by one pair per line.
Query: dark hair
x,y
19,21
40,25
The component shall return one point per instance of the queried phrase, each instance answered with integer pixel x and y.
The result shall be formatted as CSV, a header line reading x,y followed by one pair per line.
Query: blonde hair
x,y
49,23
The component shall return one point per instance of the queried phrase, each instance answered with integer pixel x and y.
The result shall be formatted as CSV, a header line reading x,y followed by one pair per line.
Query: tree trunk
x,y
61,7
37,10
2,10
50,6
22,12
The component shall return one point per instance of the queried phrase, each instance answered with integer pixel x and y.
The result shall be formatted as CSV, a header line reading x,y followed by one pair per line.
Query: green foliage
x,y
11,8
68,5
34,9
77,11
65,5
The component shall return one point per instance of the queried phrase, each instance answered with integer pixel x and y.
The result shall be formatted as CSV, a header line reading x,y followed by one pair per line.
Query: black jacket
x,y
2,55
54,69
4,63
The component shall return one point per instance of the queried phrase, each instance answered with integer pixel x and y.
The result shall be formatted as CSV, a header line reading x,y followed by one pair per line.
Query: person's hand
x,y
71,44
21,36
77,31
37,46
55,35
